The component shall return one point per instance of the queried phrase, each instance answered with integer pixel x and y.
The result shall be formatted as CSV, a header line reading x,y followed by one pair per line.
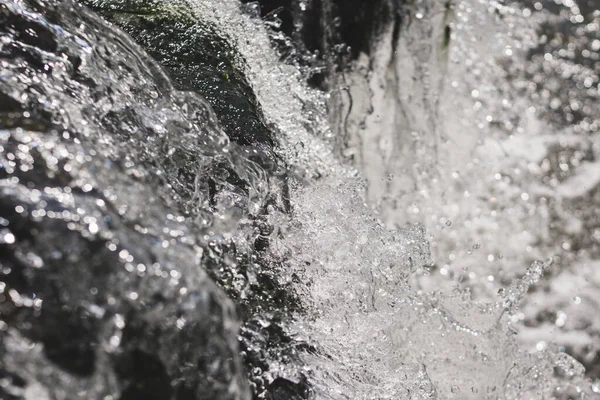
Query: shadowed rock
x,y
195,57
102,290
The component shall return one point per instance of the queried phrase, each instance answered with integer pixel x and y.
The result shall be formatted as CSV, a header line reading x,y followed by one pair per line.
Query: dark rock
x,y
102,290
283,389
115,196
196,58
329,34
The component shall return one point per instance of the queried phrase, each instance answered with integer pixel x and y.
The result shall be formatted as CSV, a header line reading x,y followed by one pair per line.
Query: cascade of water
x,y
391,263
436,125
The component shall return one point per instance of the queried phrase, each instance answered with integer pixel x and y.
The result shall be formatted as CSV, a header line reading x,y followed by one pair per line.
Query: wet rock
x,y
119,198
102,288
327,35
283,389
196,58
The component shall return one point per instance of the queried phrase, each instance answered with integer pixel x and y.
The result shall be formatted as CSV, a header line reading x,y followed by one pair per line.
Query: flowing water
x,y
423,227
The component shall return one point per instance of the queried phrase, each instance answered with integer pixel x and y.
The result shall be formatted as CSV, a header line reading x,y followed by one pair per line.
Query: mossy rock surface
x,y
196,58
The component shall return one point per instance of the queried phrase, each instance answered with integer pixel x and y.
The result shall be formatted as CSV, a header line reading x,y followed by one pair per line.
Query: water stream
x,y
186,214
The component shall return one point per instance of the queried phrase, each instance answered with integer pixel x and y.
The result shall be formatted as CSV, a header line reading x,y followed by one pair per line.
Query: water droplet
x,y
93,227
540,346
8,238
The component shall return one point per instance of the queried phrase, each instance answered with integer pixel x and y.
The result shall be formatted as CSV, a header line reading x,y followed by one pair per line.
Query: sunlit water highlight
x,y
411,260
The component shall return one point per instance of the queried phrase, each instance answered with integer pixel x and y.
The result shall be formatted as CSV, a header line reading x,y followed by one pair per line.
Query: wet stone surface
x,y
196,58
117,193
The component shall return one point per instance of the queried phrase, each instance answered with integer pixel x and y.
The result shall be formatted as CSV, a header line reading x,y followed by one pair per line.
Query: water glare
x,y
215,199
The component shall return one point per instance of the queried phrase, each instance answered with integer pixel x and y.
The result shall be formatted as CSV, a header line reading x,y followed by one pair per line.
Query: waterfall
x,y
206,199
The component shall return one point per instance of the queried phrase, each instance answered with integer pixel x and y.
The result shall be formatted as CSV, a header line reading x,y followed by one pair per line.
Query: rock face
x,y
330,34
198,58
115,190
195,57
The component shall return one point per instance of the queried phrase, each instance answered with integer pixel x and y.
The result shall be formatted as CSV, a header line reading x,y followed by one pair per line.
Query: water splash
x,y
459,104
144,173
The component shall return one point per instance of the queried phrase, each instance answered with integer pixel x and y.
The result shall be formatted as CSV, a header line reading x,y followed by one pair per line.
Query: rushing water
x,y
419,226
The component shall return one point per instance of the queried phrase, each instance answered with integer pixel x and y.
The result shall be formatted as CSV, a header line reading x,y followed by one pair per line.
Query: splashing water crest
x,y
382,337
